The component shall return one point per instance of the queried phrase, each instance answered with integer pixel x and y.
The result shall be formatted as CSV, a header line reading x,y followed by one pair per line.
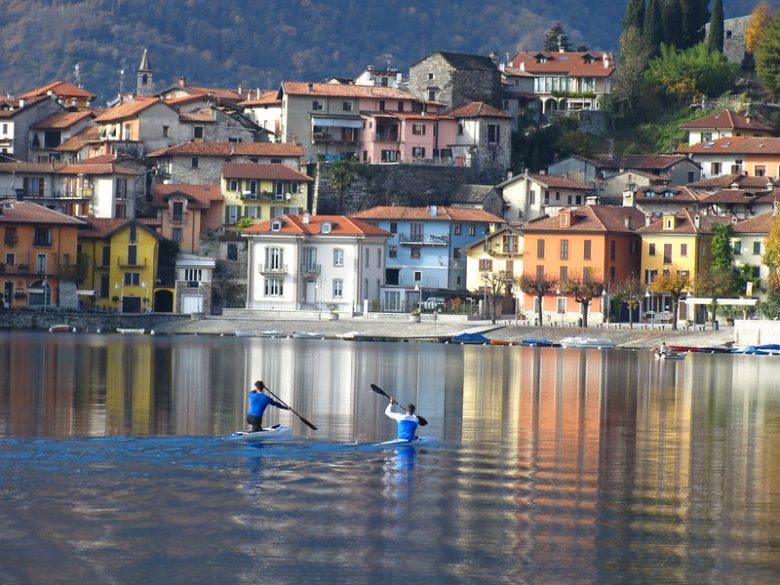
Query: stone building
x,y
734,38
483,140
455,79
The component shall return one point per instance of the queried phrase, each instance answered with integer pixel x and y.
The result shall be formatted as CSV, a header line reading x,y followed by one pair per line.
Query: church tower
x,y
144,85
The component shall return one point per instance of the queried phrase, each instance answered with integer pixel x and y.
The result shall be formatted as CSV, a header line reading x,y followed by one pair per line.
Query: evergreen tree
x,y
652,29
672,23
715,38
555,39
627,84
694,16
635,15
768,57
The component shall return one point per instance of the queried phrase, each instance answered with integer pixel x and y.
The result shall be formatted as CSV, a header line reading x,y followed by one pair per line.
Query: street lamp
x,y
604,305
122,297
418,289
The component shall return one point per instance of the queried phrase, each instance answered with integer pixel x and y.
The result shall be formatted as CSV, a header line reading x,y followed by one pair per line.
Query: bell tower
x,y
144,85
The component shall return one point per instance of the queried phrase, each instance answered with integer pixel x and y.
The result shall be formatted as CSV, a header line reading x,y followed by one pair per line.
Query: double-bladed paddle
x,y
381,392
280,401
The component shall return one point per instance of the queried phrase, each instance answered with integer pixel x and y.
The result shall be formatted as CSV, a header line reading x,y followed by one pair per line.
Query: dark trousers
x,y
256,422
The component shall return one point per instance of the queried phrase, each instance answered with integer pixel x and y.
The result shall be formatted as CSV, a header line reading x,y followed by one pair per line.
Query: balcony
x,y
273,269
128,263
420,240
308,268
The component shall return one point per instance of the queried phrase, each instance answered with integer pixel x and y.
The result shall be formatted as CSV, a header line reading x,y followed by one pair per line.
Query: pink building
x,y
393,136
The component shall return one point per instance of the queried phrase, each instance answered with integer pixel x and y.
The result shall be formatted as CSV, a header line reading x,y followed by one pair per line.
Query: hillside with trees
x,y
257,44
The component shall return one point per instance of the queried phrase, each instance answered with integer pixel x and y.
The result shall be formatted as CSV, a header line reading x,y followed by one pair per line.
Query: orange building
x,y
38,253
185,211
595,239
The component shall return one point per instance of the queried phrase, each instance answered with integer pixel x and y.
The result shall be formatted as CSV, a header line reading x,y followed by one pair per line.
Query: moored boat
x,y
470,339
307,335
62,328
277,433
130,330
669,355
539,343
587,342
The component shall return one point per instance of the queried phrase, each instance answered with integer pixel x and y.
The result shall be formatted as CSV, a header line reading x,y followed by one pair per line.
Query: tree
x,y
497,284
673,285
672,23
694,16
627,84
686,74
771,257
716,284
341,175
759,21
722,250
635,15
629,292
583,287
715,38
555,39
652,31
767,55
539,286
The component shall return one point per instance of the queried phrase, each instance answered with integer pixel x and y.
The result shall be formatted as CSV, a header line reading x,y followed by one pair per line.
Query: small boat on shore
x,y
539,343
695,349
271,334
669,355
62,328
587,343
245,332
502,342
307,335
470,339
131,330
767,349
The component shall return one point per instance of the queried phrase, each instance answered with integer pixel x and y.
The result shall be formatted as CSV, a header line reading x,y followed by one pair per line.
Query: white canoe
x,y
403,443
587,342
264,436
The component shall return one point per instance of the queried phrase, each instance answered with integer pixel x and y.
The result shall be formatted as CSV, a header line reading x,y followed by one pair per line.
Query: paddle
x,y
378,390
280,401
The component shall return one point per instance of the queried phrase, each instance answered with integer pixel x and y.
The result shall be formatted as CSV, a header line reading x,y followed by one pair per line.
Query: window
x,y
457,229
393,227
651,249
418,152
233,185
390,155
418,129
667,253
166,129
432,95
105,259
317,105
338,257
346,106
494,133
587,251
417,276
716,168
367,257
472,230
510,244
197,132
133,237
430,76
561,305
460,128
338,288
540,248
177,211
612,250
684,250
120,210
41,236
40,263
194,162
379,253
414,251
10,236
177,234
757,248
10,258
193,274
564,249
273,287
232,251
132,279
381,105
132,254
274,258
760,171
393,251
121,188
564,274
485,265
540,273
532,197
691,176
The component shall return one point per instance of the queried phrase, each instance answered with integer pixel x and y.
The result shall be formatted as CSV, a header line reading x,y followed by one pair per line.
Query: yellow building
x,y
263,191
497,251
121,265
678,243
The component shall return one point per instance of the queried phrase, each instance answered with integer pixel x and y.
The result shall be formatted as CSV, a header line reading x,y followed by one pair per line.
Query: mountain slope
x,y
257,43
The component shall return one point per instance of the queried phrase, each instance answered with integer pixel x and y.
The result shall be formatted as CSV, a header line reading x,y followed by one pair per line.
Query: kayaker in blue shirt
x,y
407,422
258,402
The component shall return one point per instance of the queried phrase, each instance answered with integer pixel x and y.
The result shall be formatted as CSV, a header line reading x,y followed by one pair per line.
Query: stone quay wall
x,y
20,319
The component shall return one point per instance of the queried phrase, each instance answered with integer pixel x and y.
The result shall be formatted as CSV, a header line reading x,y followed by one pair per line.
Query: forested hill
x,y
257,43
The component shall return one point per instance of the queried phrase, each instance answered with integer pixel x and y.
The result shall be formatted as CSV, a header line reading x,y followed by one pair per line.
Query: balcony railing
x,y
308,268
420,240
126,263
273,269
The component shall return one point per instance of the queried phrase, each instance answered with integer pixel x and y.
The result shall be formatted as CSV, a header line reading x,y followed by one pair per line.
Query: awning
x,y
337,123
86,292
708,301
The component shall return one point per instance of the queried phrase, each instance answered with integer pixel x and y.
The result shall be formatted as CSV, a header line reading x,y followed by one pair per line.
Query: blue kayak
x,y
266,435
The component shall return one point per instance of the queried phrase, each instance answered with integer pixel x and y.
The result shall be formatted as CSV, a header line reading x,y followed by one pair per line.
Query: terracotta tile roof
x,y
642,162
740,196
662,194
178,101
759,224
14,107
274,172
25,167
204,195
128,109
651,176
464,60
218,92
735,180
27,212
204,115
341,225
62,120
266,98
91,168
99,227
559,182
478,110
59,88
685,224
767,145
727,119
303,88
591,218
223,149
79,140
510,71
427,213
573,64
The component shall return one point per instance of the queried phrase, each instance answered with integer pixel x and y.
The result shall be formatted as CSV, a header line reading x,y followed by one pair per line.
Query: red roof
x,y
340,225
663,194
727,119
266,98
63,120
59,88
759,224
591,218
559,182
303,88
644,162
203,195
274,172
177,101
223,149
12,211
432,213
686,223
573,64
78,140
478,110
735,180
741,196
128,109
767,145
99,227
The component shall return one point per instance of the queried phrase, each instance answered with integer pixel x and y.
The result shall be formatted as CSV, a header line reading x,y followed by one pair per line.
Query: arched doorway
x,y
39,294
163,301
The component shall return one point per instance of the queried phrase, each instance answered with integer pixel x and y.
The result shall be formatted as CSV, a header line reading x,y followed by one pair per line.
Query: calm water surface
x,y
550,466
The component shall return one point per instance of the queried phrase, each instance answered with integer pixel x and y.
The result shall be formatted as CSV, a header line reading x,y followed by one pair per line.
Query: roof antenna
x,y
77,75
121,84
388,57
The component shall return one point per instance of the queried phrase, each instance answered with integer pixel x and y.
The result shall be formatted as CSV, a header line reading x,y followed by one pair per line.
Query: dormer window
x,y
325,228
276,226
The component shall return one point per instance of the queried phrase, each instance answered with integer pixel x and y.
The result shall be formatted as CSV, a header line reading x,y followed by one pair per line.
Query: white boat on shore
x,y
587,342
245,333
307,335
131,330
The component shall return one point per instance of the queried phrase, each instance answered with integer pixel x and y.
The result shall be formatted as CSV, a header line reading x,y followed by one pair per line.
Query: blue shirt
x,y
407,424
258,402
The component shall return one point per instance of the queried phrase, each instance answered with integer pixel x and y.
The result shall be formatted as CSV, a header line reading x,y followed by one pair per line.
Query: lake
x,y
549,465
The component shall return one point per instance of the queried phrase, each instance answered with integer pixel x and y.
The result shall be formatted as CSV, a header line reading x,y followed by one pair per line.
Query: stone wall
x,y
23,319
403,184
754,332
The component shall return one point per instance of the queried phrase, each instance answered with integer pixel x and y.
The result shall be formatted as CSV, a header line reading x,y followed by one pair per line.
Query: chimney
x,y
434,211
494,57
647,219
522,65
182,81
605,58
734,219
306,218
627,222
565,217
560,44
697,221
21,103
310,87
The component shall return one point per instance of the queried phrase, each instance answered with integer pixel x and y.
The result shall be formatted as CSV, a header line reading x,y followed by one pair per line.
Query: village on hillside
x,y
401,191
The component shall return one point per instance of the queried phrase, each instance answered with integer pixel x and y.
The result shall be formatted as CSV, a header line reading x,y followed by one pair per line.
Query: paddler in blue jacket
x,y
407,422
258,402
